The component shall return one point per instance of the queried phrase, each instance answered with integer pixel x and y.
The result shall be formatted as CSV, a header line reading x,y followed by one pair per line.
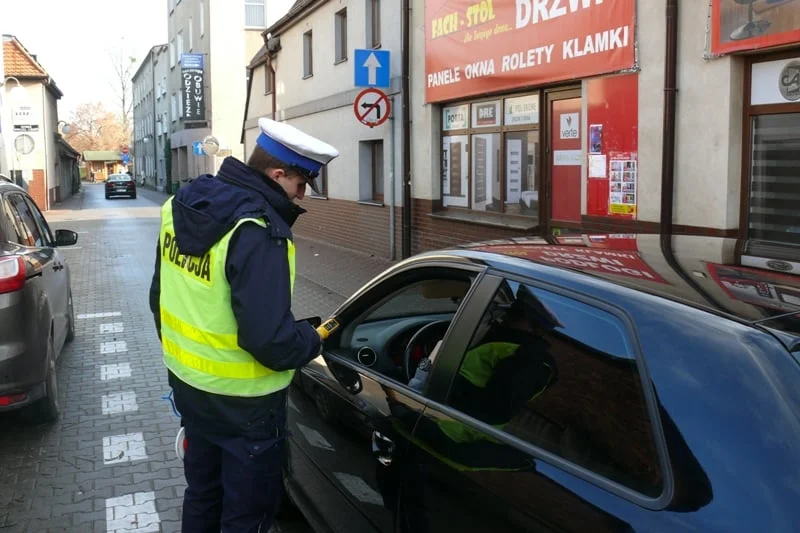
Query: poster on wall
x,y
476,47
764,289
623,180
753,24
513,170
454,171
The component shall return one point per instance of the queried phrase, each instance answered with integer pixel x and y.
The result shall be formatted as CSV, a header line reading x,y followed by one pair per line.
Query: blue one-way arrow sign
x,y
372,68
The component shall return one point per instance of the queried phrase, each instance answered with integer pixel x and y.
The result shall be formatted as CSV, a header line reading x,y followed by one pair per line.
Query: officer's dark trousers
x,y
234,483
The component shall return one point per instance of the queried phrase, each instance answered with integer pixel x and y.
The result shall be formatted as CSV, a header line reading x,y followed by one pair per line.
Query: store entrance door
x,y
564,158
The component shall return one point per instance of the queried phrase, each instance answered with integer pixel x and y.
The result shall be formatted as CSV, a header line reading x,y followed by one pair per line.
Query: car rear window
x,y
119,177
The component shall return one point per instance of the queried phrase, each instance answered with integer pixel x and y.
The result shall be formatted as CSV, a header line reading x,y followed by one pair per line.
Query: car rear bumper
x,y
22,375
22,365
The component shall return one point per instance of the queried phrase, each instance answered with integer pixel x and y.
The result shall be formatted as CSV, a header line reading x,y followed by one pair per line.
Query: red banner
x,y
618,262
479,46
753,25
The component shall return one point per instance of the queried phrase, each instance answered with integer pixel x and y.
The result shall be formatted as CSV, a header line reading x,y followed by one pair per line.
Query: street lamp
x,y
63,127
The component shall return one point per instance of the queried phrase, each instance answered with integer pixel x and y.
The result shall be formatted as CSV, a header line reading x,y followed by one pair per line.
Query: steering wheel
x,y
424,330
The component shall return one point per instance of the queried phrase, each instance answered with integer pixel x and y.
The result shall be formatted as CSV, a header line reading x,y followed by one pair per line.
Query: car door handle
x,y
382,448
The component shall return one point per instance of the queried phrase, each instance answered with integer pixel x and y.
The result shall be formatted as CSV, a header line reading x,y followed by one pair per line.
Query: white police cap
x,y
297,149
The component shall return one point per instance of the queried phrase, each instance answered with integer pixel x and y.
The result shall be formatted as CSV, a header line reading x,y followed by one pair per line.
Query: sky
x,y
73,40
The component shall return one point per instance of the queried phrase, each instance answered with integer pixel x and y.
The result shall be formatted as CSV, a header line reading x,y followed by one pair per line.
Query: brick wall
x,y
37,189
360,227
431,233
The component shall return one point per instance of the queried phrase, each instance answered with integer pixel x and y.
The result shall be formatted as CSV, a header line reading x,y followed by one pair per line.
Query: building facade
x,y
211,42
306,71
162,120
554,120
29,121
550,118
145,95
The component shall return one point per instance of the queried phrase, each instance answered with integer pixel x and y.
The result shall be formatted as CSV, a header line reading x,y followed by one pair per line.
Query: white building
x,y
311,52
210,45
36,156
146,92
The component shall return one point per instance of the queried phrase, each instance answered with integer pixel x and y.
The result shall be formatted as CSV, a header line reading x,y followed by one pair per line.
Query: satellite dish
x,y
211,145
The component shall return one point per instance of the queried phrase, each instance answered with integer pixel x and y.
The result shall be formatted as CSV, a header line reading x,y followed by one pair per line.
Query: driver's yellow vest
x,y
199,332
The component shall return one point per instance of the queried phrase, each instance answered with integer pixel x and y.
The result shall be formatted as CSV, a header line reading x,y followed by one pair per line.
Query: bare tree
x,y
93,127
122,85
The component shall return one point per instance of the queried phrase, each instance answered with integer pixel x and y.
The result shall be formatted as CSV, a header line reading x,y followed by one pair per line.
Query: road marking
x,y
117,371
359,488
315,438
122,402
64,248
99,315
132,513
114,327
293,406
123,448
114,347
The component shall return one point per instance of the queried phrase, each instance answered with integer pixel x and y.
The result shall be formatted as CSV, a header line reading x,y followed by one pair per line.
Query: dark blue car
x,y
581,383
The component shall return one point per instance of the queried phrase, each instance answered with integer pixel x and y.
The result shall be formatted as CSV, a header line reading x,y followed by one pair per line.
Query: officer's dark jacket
x,y
258,272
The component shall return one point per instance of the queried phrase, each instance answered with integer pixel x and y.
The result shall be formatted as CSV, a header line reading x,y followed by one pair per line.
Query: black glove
x,y
315,321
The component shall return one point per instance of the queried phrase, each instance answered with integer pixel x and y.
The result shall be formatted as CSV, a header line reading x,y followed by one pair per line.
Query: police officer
x,y
221,297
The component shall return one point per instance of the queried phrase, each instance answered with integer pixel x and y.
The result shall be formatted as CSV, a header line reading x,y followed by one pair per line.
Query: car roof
x,y
705,272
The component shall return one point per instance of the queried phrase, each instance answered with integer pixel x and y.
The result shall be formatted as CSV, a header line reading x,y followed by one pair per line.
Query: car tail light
x,y
5,401
12,274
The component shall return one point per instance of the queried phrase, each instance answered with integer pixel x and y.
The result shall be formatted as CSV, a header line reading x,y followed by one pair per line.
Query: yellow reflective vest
x,y
199,332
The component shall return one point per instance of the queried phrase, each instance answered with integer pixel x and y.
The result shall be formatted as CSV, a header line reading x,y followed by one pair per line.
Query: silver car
x,y
36,311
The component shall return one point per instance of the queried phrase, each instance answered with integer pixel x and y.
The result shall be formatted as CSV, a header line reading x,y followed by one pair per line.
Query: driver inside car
x,y
510,365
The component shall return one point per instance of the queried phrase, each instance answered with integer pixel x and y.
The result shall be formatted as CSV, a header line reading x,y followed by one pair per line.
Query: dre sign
x,y
193,89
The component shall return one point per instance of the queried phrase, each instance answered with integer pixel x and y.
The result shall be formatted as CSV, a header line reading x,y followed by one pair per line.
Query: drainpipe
x,y
668,143
406,22
391,184
668,154
271,77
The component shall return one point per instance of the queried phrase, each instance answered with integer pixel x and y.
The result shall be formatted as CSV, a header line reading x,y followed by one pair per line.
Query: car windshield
x,y
119,177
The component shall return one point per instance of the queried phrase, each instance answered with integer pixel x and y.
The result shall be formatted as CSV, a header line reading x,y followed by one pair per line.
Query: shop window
x,y
774,181
490,155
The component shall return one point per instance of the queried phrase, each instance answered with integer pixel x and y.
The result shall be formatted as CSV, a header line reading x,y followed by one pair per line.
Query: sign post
x,y
371,107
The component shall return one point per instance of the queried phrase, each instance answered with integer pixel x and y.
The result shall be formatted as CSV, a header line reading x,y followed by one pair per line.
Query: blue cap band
x,y
288,156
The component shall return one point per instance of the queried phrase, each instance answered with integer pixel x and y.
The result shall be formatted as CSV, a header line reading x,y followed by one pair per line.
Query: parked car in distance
x,y
598,383
37,316
120,185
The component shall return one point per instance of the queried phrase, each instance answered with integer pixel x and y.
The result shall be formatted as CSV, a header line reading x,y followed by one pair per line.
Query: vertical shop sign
x,y
193,89
623,183
481,46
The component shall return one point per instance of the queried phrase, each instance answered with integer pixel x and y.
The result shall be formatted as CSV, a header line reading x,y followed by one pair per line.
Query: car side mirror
x,y
65,237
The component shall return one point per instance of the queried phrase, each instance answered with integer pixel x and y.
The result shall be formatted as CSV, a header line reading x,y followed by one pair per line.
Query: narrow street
x,y
110,461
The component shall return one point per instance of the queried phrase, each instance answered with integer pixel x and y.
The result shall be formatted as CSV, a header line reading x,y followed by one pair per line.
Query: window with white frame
x,y
255,15
174,108
191,33
267,79
180,45
373,23
371,171
340,30
308,57
172,53
202,18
